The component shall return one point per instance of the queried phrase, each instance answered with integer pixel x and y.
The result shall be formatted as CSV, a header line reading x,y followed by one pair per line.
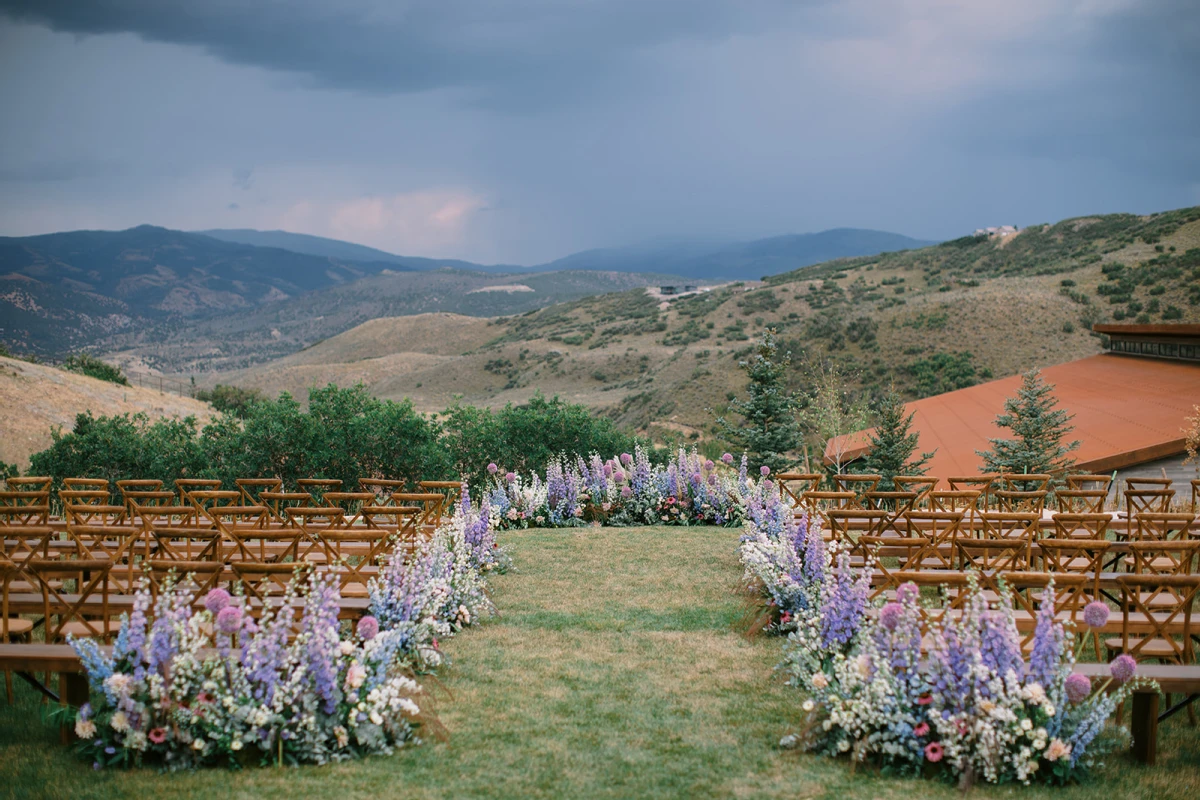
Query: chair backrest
x,y
350,503
857,484
794,485
1072,593
1144,484
941,531
1015,501
90,599
317,487
920,484
1163,527
382,488
24,507
1076,556
1164,557
818,502
951,585
897,502
1084,482
185,486
1163,608
964,500
984,484
1020,525
905,551
1081,526
139,485
452,490
1081,501
278,503
1024,482
990,557
28,484
252,487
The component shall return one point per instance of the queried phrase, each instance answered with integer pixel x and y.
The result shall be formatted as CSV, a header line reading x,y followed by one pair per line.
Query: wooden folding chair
x,y
382,488
1082,526
451,492
86,611
1163,558
963,501
29,483
1147,484
429,502
941,531
185,487
1014,501
196,578
817,503
24,507
251,488
905,552
1003,525
920,484
850,525
793,485
1167,624
317,487
1024,482
350,503
858,484
278,503
991,557
1163,527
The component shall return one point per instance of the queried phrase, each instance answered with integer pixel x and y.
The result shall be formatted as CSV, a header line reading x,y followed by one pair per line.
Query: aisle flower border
x,y
190,688
973,708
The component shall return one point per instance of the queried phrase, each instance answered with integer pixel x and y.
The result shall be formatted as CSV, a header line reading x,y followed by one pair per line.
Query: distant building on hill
x,y
1001,230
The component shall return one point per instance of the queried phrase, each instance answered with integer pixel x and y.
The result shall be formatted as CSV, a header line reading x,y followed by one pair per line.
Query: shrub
x,y
232,399
93,367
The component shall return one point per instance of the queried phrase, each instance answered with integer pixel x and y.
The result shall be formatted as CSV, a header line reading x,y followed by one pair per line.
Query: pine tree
x,y
1040,429
768,431
892,444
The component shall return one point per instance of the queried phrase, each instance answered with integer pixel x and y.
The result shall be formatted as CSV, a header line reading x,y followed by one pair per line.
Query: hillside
x,y
927,320
66,290
36,397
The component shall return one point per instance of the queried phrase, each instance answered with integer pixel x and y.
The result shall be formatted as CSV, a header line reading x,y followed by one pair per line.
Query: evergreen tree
x,y
892,444
1039,429
769,430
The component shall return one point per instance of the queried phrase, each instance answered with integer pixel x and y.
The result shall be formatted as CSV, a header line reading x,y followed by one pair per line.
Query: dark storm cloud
x,y
397,46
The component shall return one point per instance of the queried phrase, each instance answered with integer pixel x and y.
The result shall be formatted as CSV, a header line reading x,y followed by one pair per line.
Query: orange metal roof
x,y
1128,410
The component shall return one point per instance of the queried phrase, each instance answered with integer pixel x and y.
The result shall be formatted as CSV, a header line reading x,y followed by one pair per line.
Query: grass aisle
x,y
614,670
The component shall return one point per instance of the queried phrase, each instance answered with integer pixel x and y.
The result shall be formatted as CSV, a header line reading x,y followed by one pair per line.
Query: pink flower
x,y
1078,687
510,477
1122,668
492,468
216,600
626,459
889,616
907,591
204,697
709,464
618,476
921,730
608,470
786,617
925,699
368,628
157,735
626,492
1095,614
764,470
229,619
933,752
727,458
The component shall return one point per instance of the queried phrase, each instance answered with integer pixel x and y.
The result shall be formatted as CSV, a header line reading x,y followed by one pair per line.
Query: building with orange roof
x,y
1129,405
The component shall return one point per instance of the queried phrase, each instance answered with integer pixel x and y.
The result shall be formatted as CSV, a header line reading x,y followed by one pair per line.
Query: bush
x,y
231,399
93,367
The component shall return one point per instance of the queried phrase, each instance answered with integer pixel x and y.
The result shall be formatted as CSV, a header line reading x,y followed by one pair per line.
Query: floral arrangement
x,y
193,688
624,490
971,707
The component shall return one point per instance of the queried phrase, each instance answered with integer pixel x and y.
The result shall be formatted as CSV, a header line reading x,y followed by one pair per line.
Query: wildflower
x,y
764,470
1058,749
119,722
1078,687
118,683
907,591
808,705
492,468
1122,668
820,681
727,458
934,752
925,699
510,477
85,728
368,628
1095,614
1027,724
216,599
626,459
198,744
342,736
229,619
158,735
235,745
921,730
346,647
409,707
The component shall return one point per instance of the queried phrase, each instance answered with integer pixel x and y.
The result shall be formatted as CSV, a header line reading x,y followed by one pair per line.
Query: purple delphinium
x,y
320,624
844,604
1122,668
1078,687
1047,652
998,644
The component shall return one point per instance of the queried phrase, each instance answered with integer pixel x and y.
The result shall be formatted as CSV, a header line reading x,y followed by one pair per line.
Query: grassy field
x,y
614,670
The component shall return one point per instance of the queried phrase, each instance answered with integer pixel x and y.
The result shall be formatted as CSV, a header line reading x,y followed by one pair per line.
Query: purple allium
x,y
709,464
368,628
907,591
1122,668
626,459
608,470
492,468
1078,687
229,619
618,476
889,615
626,492
215,600
510,477
764,470
727,458
768,485
1095,614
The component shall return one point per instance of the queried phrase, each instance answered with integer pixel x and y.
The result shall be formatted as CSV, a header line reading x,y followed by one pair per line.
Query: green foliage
x,y
89,365
8,471
944,372
769,431
231,399
1039,428
831,413
892,443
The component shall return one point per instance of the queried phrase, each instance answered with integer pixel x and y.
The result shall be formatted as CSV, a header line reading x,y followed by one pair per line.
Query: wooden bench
x,y
1172,679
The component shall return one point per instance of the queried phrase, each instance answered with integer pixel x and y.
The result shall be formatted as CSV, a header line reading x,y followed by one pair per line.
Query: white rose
x,y
235,745
85,728
376,718
1026,724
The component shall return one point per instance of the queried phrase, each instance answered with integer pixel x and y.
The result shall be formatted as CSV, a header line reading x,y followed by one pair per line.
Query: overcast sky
x,y
520,130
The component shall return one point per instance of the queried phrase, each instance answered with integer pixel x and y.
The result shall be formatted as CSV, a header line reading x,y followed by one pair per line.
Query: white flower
x,y
118,683
198,744
346,647
1049,709
409,707
352,698
85,728
342,736
844,745
119,722
376,718
808,705
1026,724
1035,692
1057,749
820,681
235,745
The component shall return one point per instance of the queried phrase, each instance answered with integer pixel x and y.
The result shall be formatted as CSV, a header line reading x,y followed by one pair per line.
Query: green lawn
x,y
613,670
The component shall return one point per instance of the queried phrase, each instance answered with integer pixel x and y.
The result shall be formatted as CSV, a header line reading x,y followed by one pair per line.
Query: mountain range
x,y
94,289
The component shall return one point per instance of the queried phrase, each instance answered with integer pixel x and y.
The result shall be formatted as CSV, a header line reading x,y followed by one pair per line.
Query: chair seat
x,y
98,628
355,590
1153,648
19,627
